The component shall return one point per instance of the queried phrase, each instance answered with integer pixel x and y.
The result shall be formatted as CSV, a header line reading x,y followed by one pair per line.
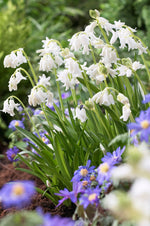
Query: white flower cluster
x,y
10,106
69,75
15,79
126,108
15,59
50,55
137,204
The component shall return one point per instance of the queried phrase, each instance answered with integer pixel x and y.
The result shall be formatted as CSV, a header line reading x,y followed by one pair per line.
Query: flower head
x,y
11,154
17,194
14,59
15,80
114,157
10,106
146,99
80,114
90,196
141,125
14,123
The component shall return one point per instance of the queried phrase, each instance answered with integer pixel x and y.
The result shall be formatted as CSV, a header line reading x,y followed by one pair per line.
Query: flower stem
x,y
31,80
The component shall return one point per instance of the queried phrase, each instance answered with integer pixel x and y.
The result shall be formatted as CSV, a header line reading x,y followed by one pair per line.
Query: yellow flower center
x,y
16,123
145,124
83,172
104,167
41,112
18,189
13,156
92,178
84,183
43,139
92,197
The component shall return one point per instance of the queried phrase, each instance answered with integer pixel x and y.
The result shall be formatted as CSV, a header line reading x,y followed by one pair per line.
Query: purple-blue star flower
x,y
84,172
11,154
48,220
14,123
146,99
114,157
90,196
72,195
104,172
65,95
17,194
141,126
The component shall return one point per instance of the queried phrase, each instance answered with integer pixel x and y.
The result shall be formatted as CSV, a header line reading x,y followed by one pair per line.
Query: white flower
x,y
15,80
122,99
80,114
105,24
73,67
118,24
44,81
47,63
136,65
122,172
12,60
109,56
111,202
95,71
140,196
125,112
67,79
90,28
80,41
49,97
66,53
50,46
10,106
58,60
103,98
124,70
37,96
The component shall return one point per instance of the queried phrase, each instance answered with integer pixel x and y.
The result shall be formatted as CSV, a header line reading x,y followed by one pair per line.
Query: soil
x,y
9,173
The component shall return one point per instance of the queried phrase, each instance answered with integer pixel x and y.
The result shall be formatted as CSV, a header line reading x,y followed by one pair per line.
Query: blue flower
x,y
14,123
48,220
11,154
104,172
84,172
114,157
91,196
141,126
72,195
146,99
17,194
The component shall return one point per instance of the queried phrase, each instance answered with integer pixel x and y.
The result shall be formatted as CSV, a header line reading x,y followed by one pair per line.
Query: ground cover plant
x,y
75,137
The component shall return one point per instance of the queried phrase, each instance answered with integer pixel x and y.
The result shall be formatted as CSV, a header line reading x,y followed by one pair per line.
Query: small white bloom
x,y
10,106
122,172
125,112
65,53
90,28
105,24
44,81
124,70
73,67
14,59
111,202
50,46
37,96
47,63
49,97
80,41
67,79
118,24
58,60
136,65
80,114
103,98
109,56
94,72
15,79
122,99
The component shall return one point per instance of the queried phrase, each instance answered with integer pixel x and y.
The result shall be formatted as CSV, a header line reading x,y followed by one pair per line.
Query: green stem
x,y
30,65
147,69
59,93
140,82
26,113
31,80
74,96
87,84
93,56
103,33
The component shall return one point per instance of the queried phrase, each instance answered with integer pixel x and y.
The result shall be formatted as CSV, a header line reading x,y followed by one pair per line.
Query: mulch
x,y
9,173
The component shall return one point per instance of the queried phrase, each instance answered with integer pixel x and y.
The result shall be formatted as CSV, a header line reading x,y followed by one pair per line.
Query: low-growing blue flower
x,y
14,123
49,220
90,196
104,172
146,99
114,157
84,172
17,194
11,154
141,125
72,195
